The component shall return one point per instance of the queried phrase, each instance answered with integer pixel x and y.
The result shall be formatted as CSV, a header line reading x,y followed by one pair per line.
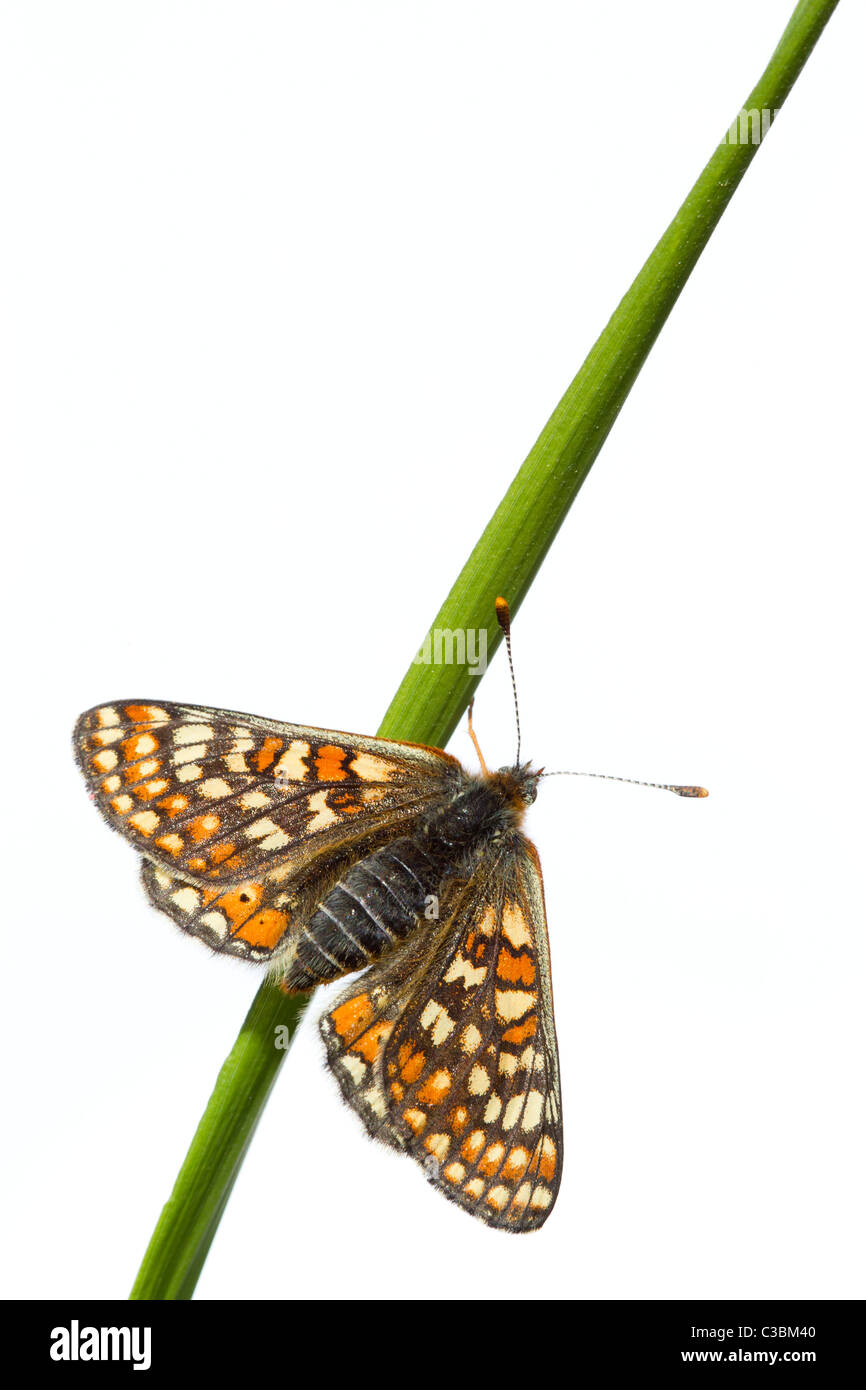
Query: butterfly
x,y
322,854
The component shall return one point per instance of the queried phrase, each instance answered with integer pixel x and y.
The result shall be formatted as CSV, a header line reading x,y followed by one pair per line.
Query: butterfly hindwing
x,y
220,797
251,920
448,1050
306,932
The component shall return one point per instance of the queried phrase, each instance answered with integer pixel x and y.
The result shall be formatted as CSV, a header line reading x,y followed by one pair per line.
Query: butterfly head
x,y
518,784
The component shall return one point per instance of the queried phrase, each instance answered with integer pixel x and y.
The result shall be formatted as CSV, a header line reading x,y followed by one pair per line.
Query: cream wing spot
x,y
172,843
187,899
436,1019
144,744
513,1111
478,1081
516,1163
355,1067
521,1196
214,787
530,1060
260,828
370,768
514,927
192,733
188,755
497,1197
278,840
487,925
291,765
462,969
376,1101
323,816
253,801
106,736
513,1003
216,922
533,1112
541,1198
474,1144
438,1145
548,1156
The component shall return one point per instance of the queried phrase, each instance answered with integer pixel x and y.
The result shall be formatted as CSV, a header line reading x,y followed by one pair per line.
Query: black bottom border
x,y
417,1345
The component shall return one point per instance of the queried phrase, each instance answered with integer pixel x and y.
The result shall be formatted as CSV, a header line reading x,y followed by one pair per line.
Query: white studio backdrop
x,y
289,291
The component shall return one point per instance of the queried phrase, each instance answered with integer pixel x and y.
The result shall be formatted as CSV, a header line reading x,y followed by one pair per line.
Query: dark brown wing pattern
x,y
241,818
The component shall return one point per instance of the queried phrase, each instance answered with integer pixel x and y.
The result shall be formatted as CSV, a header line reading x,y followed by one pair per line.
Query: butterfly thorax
x,y
480,810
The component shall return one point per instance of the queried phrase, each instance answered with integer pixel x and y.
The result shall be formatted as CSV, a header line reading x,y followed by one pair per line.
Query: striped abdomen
x,y
379,900
373,907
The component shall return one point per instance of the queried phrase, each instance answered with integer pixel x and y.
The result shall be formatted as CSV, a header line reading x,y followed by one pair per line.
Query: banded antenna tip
x,y
503,615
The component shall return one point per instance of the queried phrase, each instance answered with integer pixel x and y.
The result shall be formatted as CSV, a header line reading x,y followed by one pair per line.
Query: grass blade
x,y
431,698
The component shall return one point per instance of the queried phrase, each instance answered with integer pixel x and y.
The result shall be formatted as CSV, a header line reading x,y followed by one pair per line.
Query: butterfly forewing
x,y
219,797
455,1060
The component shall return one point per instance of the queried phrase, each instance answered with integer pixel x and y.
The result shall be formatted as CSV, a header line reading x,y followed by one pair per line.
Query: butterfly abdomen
x,y
380,899
371,909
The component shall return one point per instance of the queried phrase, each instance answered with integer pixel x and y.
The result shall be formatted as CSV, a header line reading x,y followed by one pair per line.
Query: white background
x,y
288,292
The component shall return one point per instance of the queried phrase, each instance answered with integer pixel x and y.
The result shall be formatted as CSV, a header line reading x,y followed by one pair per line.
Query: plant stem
x,y
431,698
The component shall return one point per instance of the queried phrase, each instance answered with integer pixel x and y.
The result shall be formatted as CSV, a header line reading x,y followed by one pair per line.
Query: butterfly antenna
x,y
484,767
503,617
633,781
